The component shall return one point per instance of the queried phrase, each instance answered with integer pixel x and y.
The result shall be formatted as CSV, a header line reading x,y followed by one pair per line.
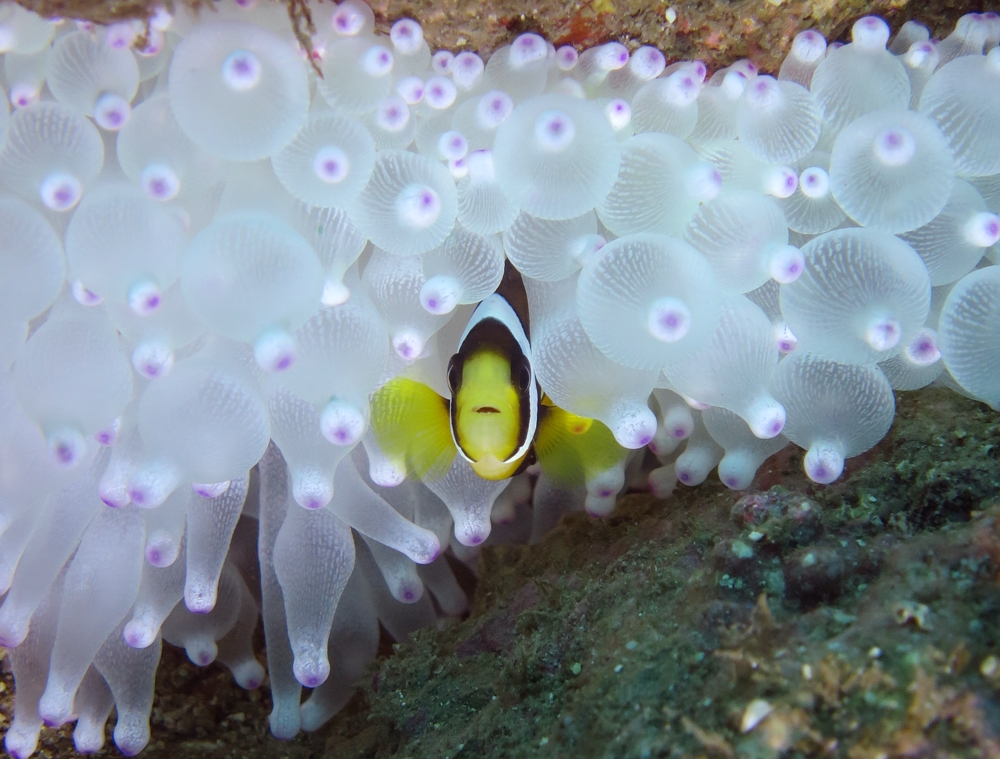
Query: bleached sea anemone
x,y
212,259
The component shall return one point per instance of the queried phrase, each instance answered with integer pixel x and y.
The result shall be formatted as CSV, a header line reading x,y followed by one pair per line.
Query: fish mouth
x,y
486,410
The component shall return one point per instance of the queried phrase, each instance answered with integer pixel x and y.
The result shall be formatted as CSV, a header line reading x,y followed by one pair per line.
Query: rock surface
x,y
716,31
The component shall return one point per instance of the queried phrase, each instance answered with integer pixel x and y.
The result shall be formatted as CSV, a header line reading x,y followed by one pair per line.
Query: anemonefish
x,y
496,417
494,397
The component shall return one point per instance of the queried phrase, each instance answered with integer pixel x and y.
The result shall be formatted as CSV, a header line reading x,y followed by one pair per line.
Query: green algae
x,y
860,613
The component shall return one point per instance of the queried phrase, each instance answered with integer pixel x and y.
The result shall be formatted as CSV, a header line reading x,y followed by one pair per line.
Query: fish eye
x,y
523,376
453,376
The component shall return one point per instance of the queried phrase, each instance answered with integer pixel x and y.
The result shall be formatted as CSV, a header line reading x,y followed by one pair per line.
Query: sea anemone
x,y
212,262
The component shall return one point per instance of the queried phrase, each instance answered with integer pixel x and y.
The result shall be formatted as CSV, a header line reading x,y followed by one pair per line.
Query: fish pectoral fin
x,y
573,449
577,425
413,428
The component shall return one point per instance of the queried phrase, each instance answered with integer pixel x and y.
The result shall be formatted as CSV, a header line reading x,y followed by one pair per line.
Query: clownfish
x,y
493,410
496,418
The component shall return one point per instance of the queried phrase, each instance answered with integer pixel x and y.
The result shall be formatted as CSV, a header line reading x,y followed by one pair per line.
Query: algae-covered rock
x,y
715,31
863,627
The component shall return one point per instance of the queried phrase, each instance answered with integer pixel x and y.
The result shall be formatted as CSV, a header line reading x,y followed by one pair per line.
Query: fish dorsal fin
x,y
511,289
412,427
